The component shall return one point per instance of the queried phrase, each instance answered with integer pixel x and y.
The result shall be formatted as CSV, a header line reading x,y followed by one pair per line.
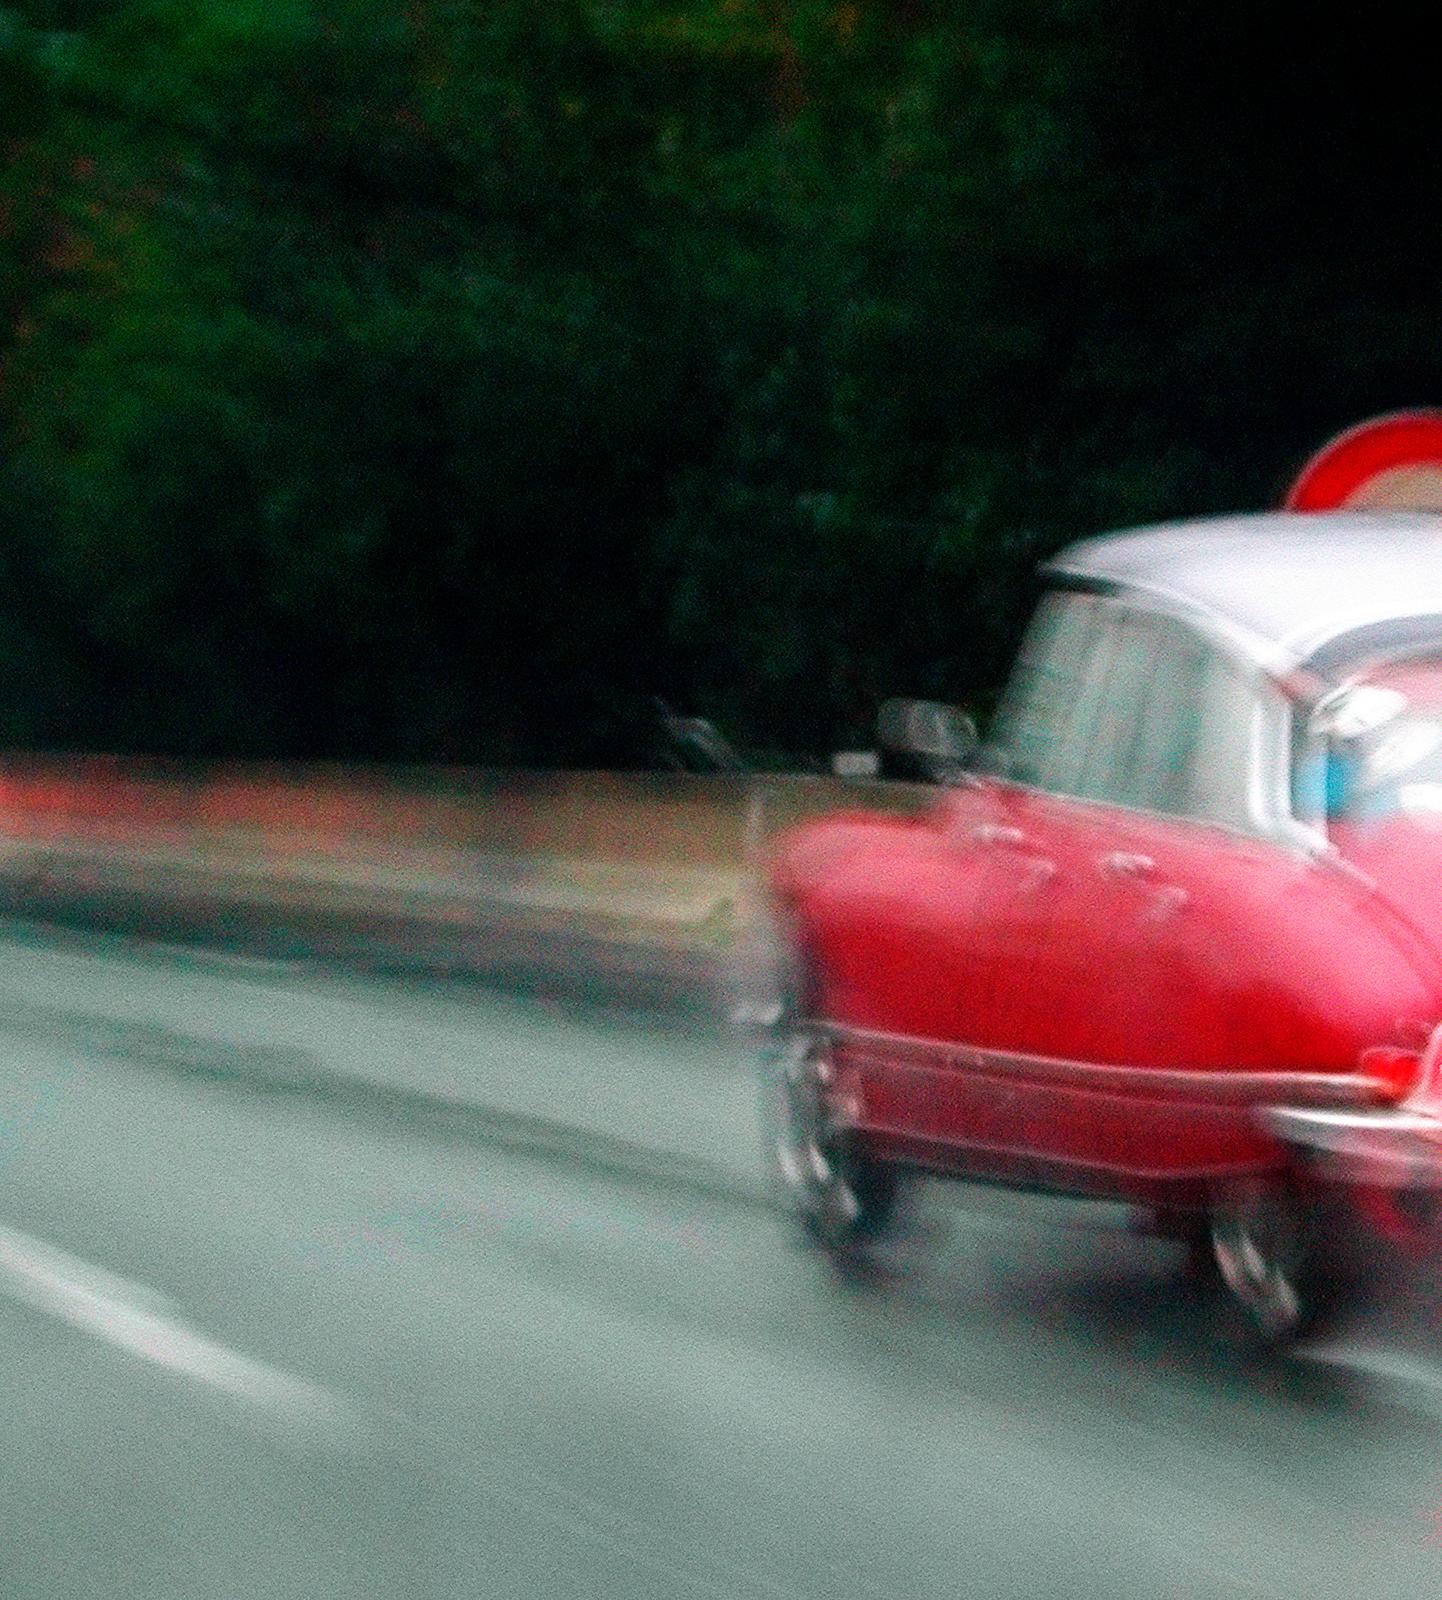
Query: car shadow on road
x,y
1126,1315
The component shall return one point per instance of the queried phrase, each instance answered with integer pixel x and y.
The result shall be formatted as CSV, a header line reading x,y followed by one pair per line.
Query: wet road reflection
x,y
605,1379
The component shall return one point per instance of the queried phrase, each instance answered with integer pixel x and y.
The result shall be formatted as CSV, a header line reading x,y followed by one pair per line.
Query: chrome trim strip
x,y
1212,1086
1399,1146
1400,1149
1030,1168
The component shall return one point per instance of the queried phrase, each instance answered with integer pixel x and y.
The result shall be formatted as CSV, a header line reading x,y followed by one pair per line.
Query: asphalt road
x,y
265,1333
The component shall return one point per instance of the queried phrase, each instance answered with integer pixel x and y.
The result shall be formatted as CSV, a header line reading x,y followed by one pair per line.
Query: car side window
x,y
1142,749
1177,730
1126,706
1041,724
1218,788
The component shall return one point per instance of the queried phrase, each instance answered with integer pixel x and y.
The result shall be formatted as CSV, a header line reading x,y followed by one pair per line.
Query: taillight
x,y
1393,1069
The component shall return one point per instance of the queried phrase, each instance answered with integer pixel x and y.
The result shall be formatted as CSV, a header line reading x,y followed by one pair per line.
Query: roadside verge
x,y
607,888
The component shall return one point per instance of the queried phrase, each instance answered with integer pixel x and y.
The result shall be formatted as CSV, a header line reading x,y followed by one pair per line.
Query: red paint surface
x,y
992,926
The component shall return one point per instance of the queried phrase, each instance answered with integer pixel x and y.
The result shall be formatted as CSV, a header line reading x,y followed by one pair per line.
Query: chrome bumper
x,y
1398,1148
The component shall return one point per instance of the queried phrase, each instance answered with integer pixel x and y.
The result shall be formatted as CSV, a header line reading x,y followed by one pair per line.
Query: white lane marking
x,y
136,1319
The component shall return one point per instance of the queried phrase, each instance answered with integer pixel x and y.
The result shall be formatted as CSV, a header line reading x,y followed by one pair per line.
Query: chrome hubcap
x,y
806,1149
1258,1247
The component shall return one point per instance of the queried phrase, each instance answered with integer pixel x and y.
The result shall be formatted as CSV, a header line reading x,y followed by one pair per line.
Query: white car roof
x,y
1286,583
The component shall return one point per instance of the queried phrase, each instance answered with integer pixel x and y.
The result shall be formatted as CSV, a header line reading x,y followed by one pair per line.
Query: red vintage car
x,y
1173,936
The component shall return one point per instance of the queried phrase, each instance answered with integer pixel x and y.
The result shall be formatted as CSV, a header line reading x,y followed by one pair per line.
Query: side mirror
x,y
924,739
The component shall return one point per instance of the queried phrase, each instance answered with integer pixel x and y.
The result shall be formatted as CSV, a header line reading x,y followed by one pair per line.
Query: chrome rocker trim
x,y
1397,1147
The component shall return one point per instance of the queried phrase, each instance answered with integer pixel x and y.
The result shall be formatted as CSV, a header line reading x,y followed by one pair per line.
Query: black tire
x,y
1191,1230
1270,1243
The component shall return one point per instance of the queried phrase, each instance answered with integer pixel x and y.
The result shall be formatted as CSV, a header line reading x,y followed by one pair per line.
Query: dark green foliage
x,y
442,379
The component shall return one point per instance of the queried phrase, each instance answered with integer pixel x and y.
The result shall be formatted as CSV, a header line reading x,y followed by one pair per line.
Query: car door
x,y
896,918
1183,849
924,939
1119,986
1125,852
1044,729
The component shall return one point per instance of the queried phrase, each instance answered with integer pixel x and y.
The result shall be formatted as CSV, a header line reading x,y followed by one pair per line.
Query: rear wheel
x,y
1267,1237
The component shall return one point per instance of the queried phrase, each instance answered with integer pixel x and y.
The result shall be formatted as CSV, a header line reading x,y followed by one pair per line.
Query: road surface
x,y
273,1328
